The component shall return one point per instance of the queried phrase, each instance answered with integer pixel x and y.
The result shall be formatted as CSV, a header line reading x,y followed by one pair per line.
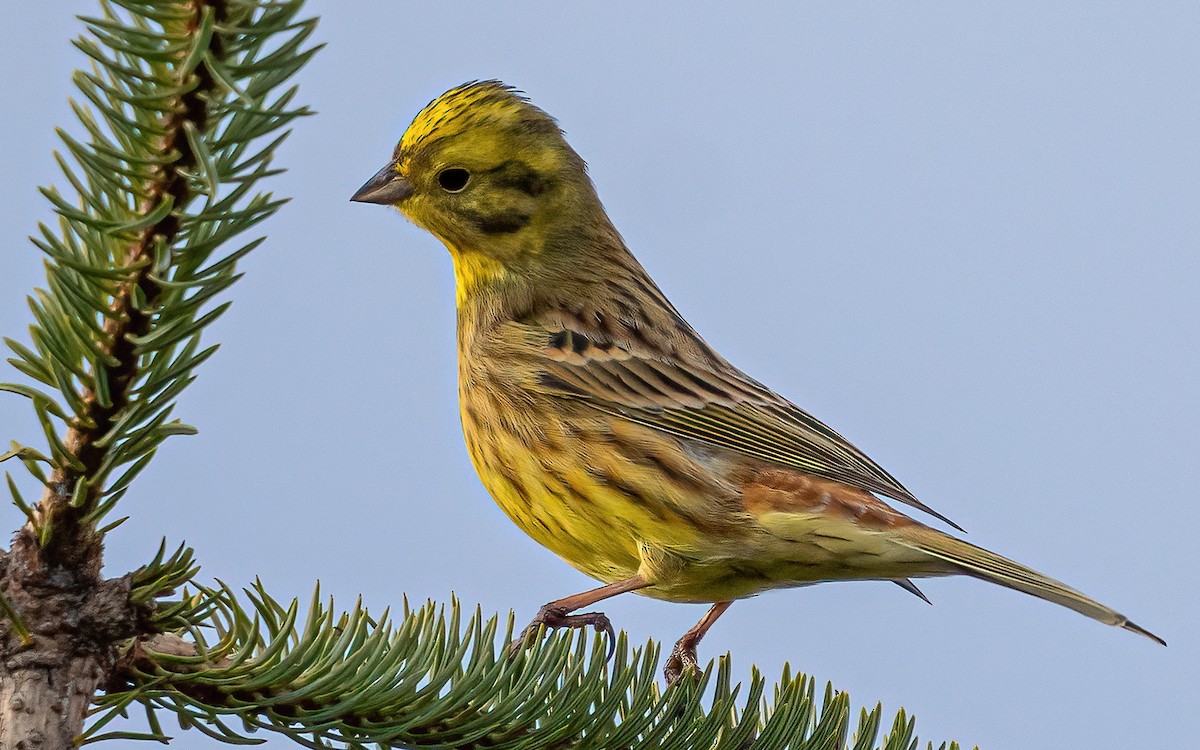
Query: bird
x,y
608,430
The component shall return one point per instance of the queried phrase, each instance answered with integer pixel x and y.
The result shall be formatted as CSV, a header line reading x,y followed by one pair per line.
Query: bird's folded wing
x,y
718,406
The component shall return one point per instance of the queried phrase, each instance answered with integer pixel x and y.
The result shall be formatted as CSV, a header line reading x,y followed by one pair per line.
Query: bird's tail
x,y
978,562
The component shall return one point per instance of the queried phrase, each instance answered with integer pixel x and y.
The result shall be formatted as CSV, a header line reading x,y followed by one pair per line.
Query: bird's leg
x,y
683,656
557,614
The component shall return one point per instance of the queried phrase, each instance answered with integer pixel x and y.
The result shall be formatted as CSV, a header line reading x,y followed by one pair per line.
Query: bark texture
x,y
75,620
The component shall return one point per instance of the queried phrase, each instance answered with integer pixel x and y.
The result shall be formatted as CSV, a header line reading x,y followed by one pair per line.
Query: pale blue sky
x,y
965,235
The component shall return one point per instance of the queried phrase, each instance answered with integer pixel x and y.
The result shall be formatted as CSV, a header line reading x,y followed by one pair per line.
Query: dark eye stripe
x,y
519,175
506,222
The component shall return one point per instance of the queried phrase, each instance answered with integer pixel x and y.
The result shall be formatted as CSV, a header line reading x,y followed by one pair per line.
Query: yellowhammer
x,y
602,423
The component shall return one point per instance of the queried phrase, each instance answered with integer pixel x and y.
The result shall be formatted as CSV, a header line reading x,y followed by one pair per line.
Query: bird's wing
x,y
716,405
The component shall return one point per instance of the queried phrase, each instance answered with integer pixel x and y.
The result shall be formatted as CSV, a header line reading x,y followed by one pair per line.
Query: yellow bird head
x,y
490,175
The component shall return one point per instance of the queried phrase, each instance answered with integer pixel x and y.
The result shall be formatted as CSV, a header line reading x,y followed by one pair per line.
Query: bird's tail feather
x,y
980,563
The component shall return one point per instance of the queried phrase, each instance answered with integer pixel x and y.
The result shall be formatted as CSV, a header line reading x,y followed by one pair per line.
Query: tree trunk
x,y
46,697
75,621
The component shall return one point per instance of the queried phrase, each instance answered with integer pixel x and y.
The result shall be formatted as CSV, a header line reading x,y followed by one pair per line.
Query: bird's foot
x,y
550,617
682,659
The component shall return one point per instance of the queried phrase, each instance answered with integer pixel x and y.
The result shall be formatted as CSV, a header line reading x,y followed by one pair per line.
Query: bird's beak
x,y
387,188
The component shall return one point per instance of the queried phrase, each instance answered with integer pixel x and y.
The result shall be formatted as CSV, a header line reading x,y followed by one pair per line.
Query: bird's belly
x,y
567,522
590,498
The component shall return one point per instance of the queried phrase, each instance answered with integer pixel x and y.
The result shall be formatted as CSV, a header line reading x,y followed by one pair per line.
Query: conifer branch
x,y
247,663
163,187
180,91
180,115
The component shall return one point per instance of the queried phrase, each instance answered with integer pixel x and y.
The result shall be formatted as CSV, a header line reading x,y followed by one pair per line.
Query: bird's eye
x,y
453,180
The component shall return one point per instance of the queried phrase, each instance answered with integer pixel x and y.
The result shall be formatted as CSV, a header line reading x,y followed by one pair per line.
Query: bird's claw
x,y
554,617
682,659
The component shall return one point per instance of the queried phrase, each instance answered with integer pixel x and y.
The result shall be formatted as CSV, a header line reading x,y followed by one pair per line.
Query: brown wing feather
x,y
706,400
